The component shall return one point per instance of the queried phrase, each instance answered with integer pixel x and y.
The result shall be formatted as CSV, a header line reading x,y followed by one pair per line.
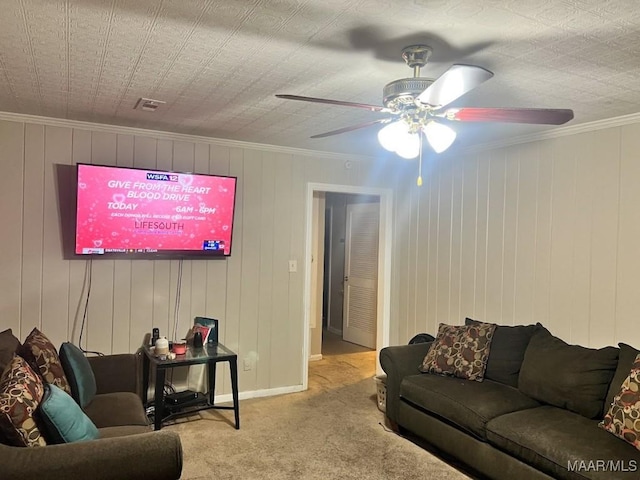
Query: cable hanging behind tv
x,y
124,212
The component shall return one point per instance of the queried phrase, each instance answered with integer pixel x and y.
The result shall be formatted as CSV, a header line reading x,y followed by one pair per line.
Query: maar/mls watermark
x,y
602,466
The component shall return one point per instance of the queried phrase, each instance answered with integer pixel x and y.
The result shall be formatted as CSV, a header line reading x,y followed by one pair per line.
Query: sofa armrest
x,y
152,456
399,362
117,373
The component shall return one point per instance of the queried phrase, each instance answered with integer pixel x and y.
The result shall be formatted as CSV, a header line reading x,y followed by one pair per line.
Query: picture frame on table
x,y
208,327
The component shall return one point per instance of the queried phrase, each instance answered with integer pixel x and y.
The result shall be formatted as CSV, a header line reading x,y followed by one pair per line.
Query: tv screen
x,y
142,213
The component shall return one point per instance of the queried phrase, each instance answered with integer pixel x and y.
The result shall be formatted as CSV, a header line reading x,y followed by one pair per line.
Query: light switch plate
x,y
293,266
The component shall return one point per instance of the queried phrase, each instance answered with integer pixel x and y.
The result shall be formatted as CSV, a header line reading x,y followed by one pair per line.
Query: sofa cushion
x,y
116,409
626,358
21,391
567,376
623,417
507,351
553,439
62,419
42,356
79,373
460,350
9,345
466,404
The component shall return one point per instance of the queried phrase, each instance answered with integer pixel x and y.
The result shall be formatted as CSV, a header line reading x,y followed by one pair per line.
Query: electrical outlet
x,y
293,266
247,364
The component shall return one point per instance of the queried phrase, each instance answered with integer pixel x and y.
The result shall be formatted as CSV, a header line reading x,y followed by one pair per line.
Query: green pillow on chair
x,y
79,373
62,419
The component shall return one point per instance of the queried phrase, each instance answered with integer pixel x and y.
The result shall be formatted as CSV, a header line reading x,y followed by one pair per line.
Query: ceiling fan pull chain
x,y
419,181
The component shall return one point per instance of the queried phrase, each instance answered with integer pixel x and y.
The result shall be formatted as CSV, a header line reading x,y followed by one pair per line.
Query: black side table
x,y
210,354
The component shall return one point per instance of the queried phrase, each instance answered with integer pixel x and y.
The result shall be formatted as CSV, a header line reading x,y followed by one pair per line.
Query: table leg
x,y
145,379
212,382
159,399
233,364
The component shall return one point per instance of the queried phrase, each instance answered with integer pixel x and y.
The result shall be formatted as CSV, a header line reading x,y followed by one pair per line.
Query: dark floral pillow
x,y
21,391
460,350
623,416
42,356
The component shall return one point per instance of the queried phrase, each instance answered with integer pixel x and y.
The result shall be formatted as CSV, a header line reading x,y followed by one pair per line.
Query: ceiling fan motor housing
x,y
402,93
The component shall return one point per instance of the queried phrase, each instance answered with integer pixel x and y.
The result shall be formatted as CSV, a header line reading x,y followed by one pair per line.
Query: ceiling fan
x,y
418,104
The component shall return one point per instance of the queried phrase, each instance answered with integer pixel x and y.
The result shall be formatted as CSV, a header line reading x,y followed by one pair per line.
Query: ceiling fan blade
x,y
549,116
454,83
352,127
366,106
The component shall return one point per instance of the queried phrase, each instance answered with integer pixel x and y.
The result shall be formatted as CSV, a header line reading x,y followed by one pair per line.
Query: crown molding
x,y
165,135
264,147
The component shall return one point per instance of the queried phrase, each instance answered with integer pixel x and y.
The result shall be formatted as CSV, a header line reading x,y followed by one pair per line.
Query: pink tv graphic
x,y
126,210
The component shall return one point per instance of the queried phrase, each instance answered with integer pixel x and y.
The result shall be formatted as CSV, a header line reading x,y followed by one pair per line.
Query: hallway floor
x,y
333,344
342,364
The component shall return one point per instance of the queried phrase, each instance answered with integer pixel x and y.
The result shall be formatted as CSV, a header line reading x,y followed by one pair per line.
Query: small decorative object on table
x,y
162,346
180,347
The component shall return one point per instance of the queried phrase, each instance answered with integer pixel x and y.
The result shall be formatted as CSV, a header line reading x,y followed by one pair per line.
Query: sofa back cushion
x,y
9,345
507,351
567,376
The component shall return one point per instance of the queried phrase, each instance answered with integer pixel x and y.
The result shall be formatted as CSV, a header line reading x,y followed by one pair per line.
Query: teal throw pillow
x,y
79,373
63,421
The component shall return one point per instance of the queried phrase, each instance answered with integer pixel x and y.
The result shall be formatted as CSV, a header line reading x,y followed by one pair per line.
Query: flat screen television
x,y
142,213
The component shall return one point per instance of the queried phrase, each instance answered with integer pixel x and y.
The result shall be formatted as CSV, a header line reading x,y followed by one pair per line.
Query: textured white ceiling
x,y
218,64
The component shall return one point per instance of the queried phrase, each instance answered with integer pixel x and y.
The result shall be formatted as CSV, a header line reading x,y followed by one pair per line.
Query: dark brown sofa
x,y
127,447
536,418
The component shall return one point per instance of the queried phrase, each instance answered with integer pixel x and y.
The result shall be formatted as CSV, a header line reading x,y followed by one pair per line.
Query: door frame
x,y
385,240
328,252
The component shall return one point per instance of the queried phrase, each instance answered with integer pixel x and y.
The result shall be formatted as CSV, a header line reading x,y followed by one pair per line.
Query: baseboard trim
x,y
269,392
315,358
334,330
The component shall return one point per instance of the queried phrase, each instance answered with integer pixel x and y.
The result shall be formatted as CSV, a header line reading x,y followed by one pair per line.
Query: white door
x,y
361,274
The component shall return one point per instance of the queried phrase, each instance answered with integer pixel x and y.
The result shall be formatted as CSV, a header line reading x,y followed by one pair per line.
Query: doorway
x,y
351,234
325,301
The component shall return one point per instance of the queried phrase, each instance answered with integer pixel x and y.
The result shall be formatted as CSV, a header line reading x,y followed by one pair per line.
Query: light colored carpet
x,y
333,430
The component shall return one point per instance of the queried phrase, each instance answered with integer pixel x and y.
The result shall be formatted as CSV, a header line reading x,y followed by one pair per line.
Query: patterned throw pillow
x,y
623,417
21,391
460,350
43,358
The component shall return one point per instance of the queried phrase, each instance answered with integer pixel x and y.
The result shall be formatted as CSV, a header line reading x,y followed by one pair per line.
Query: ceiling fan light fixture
x,y
391,134
397,138
409,147
439,136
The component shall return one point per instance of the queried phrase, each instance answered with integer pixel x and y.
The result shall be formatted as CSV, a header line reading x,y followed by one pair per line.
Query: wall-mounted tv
x,y
126,212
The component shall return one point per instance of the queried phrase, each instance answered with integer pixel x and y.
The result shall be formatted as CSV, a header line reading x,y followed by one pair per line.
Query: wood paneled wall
x,y
259,303
541,232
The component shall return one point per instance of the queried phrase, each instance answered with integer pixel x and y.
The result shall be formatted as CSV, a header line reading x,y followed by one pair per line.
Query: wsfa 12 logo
x,y
163,177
